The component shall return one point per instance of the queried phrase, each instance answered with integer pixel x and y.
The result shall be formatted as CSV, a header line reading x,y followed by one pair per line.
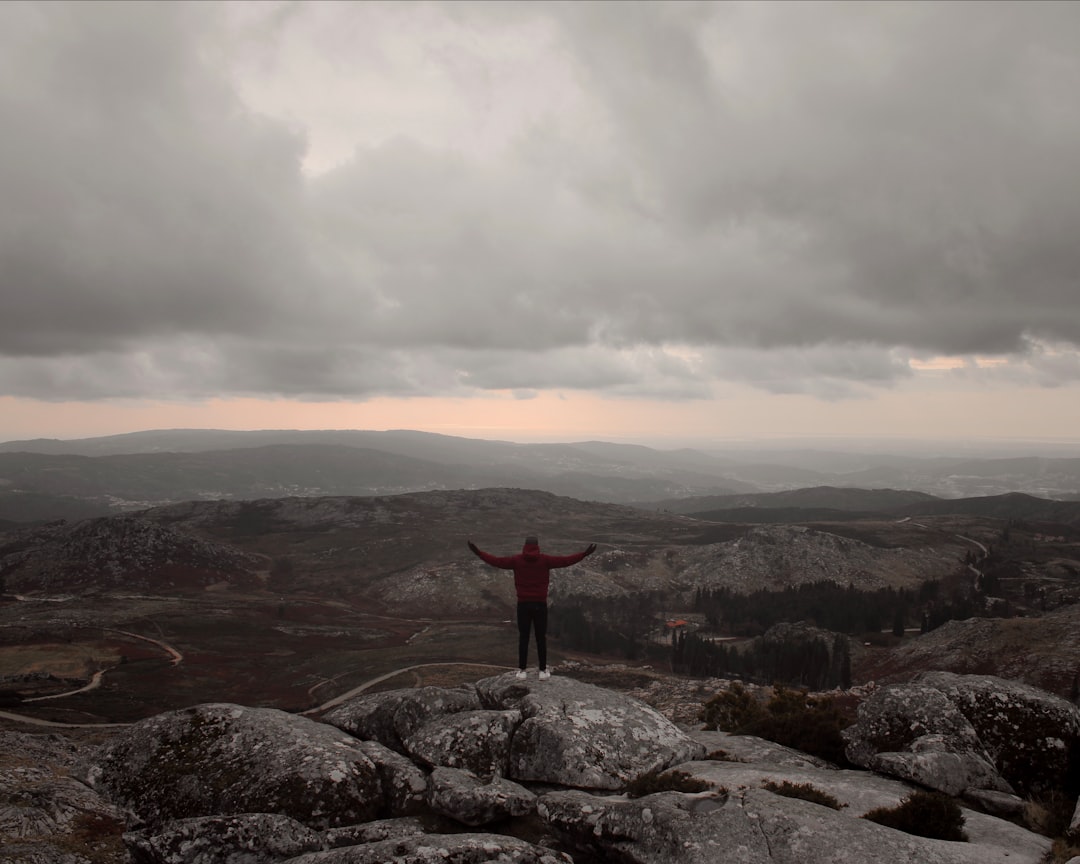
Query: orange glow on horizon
x,y
741,413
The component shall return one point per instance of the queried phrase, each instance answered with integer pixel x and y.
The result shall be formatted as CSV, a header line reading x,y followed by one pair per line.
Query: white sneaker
x,y
521,675
544,674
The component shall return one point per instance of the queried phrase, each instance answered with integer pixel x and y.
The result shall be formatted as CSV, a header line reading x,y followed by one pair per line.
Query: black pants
x,y
532,613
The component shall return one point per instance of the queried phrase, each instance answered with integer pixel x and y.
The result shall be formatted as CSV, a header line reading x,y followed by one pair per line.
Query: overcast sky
x,y
532,220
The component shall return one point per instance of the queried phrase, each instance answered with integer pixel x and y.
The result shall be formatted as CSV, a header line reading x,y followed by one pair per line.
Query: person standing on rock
x,y
532,572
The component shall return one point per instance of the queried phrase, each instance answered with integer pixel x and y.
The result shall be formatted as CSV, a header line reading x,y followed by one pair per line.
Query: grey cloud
x,y
803,194
826,372
140,196
927,153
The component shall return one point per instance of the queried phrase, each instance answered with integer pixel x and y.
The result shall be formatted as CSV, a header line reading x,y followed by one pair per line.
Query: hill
x,y
48,479
99,476
830,503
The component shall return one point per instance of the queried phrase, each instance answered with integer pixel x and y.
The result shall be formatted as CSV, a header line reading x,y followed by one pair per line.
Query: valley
x,y
288,603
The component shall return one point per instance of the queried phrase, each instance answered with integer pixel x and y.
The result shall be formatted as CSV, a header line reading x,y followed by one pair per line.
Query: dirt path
x,y
177,657
95,682
356,691
34,721
337,700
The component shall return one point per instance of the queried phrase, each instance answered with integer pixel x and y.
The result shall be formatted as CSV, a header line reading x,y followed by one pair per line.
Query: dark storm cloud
x,y
798,196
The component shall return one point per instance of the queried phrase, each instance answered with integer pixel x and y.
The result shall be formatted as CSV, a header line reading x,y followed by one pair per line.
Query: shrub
x,y
657,781
805,792
791,717
1061,852
925,814
731,709
1049,814
804,723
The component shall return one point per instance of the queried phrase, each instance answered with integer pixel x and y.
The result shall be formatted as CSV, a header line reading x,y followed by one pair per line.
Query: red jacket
x,y
532,569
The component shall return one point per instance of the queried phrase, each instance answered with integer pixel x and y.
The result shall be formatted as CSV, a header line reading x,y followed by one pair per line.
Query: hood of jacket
x,y
531,550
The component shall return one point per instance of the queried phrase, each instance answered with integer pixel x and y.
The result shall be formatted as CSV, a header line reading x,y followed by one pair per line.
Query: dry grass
x,y
63,660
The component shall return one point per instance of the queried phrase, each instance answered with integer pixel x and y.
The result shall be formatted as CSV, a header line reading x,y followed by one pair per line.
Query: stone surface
x,y
466,798
394,715
237,766
371,717
961,732
749,826
859,792
477,741
440,849
221,759
373,832
249,838
426,703
1032,736
45,813
574,734
750,748
404,784
916,732
997,803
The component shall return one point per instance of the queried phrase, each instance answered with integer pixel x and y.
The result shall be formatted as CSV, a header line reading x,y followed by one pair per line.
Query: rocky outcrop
x,y
1043,652
394,715
779,556
222,759
208,785
124,551
45,813
477,741
1032,736
576,734
254,838
562,731
753,826
957,733
472,801
918,734
440,849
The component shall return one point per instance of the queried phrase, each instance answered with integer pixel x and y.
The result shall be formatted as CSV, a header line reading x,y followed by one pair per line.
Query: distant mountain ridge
x,y
145,469
49,479
828,503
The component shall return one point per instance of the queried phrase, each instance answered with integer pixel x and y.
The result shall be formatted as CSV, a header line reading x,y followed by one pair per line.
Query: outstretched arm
x,y
567,560
506,563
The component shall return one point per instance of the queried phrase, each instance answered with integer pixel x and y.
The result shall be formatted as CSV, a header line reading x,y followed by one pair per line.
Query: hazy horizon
x,y
885,445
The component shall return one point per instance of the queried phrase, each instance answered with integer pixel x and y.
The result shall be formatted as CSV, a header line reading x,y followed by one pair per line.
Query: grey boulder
x,y
476,741
222,759
578,735
395,715
440,849
749,826
466,798
249,838
962,733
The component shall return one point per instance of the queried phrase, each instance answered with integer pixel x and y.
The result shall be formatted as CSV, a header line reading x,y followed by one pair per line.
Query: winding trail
x,y
93,684
34,721
345,697
333,703
177,657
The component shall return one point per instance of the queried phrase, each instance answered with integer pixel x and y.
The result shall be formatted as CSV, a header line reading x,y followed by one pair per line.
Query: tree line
x,y
833,607
796,659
